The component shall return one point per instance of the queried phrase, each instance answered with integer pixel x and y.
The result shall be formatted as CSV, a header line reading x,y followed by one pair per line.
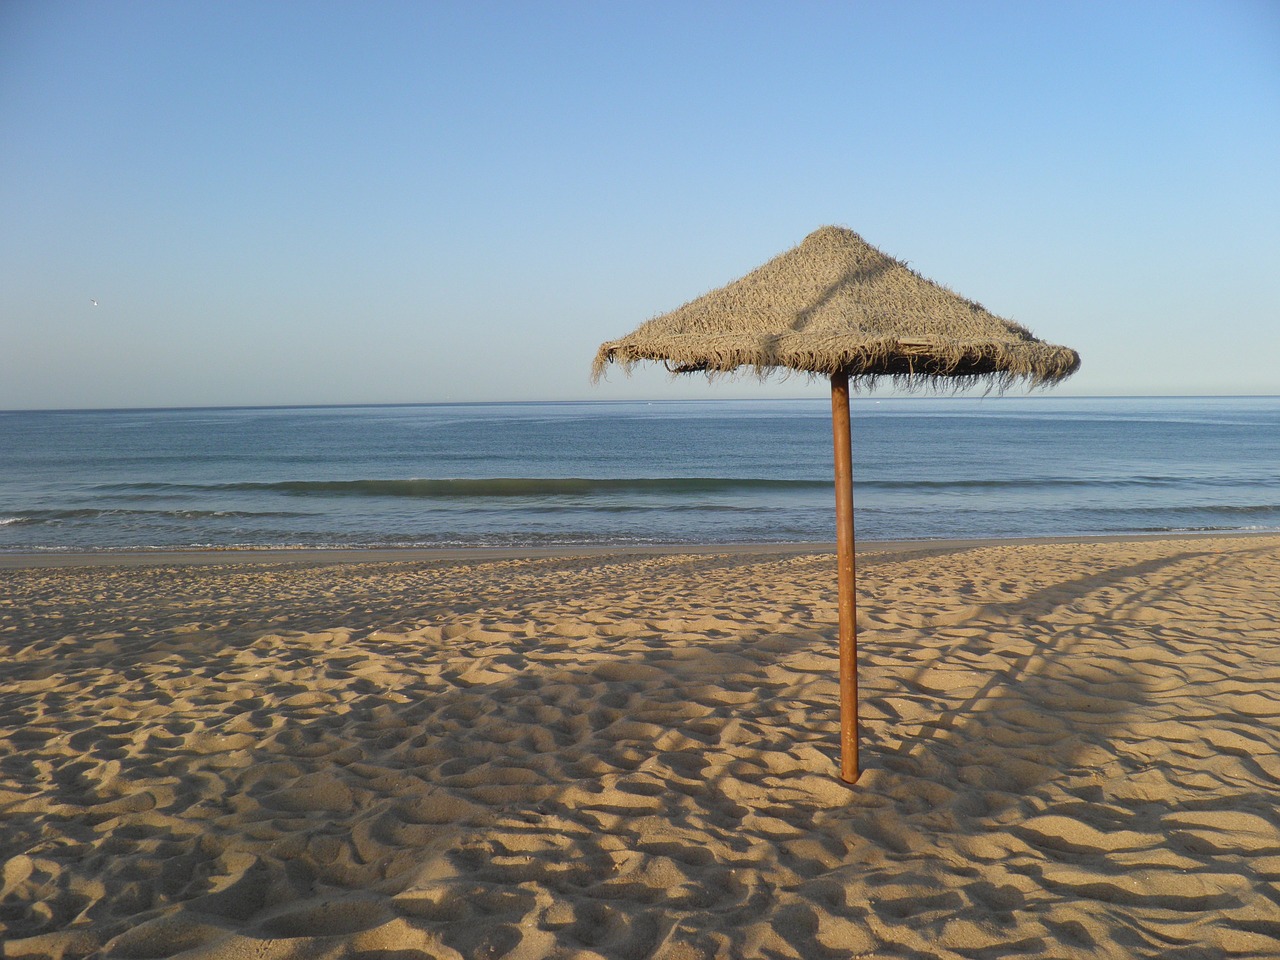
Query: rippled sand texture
x,y
1072,751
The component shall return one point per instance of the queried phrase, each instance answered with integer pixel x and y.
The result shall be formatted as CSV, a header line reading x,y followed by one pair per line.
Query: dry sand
x,y
1072,750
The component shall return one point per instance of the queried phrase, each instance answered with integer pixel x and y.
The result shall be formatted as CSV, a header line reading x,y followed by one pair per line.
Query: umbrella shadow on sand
x,y
1017,694
1044,676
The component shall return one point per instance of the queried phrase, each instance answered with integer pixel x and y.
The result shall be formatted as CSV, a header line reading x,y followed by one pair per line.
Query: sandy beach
x,y
1071,749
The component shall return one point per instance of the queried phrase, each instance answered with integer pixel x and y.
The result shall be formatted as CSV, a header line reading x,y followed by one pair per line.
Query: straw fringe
x,y
835,304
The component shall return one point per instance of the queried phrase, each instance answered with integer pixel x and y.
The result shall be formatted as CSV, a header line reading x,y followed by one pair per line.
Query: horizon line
x,y
1033,395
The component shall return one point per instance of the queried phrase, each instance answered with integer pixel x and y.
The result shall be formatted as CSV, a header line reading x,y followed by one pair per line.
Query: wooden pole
x,y
841,433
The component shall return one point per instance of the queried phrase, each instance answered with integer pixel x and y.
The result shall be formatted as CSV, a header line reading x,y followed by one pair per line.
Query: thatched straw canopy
x,y
837,305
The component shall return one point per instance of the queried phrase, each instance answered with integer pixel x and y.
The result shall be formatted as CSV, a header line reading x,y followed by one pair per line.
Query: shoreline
x,y
319,556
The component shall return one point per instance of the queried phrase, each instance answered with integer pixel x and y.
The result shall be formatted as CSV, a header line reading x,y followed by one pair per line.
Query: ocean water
x,y
539,474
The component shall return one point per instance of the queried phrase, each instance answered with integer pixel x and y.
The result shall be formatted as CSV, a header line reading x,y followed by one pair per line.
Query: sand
x,y
1070,750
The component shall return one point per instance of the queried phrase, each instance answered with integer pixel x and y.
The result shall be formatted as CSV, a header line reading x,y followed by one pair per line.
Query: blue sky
x,y
401,202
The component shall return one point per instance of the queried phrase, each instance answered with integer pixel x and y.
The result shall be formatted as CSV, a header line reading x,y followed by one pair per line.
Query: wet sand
x,y
1071,749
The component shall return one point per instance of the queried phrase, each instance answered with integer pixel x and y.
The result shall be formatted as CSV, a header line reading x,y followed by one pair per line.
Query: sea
x,y
626,473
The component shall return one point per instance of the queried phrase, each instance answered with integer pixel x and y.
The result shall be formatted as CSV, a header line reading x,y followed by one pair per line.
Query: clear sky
x,y
424,201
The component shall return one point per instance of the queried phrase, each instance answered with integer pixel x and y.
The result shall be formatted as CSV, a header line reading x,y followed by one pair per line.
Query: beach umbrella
x,y
836,307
